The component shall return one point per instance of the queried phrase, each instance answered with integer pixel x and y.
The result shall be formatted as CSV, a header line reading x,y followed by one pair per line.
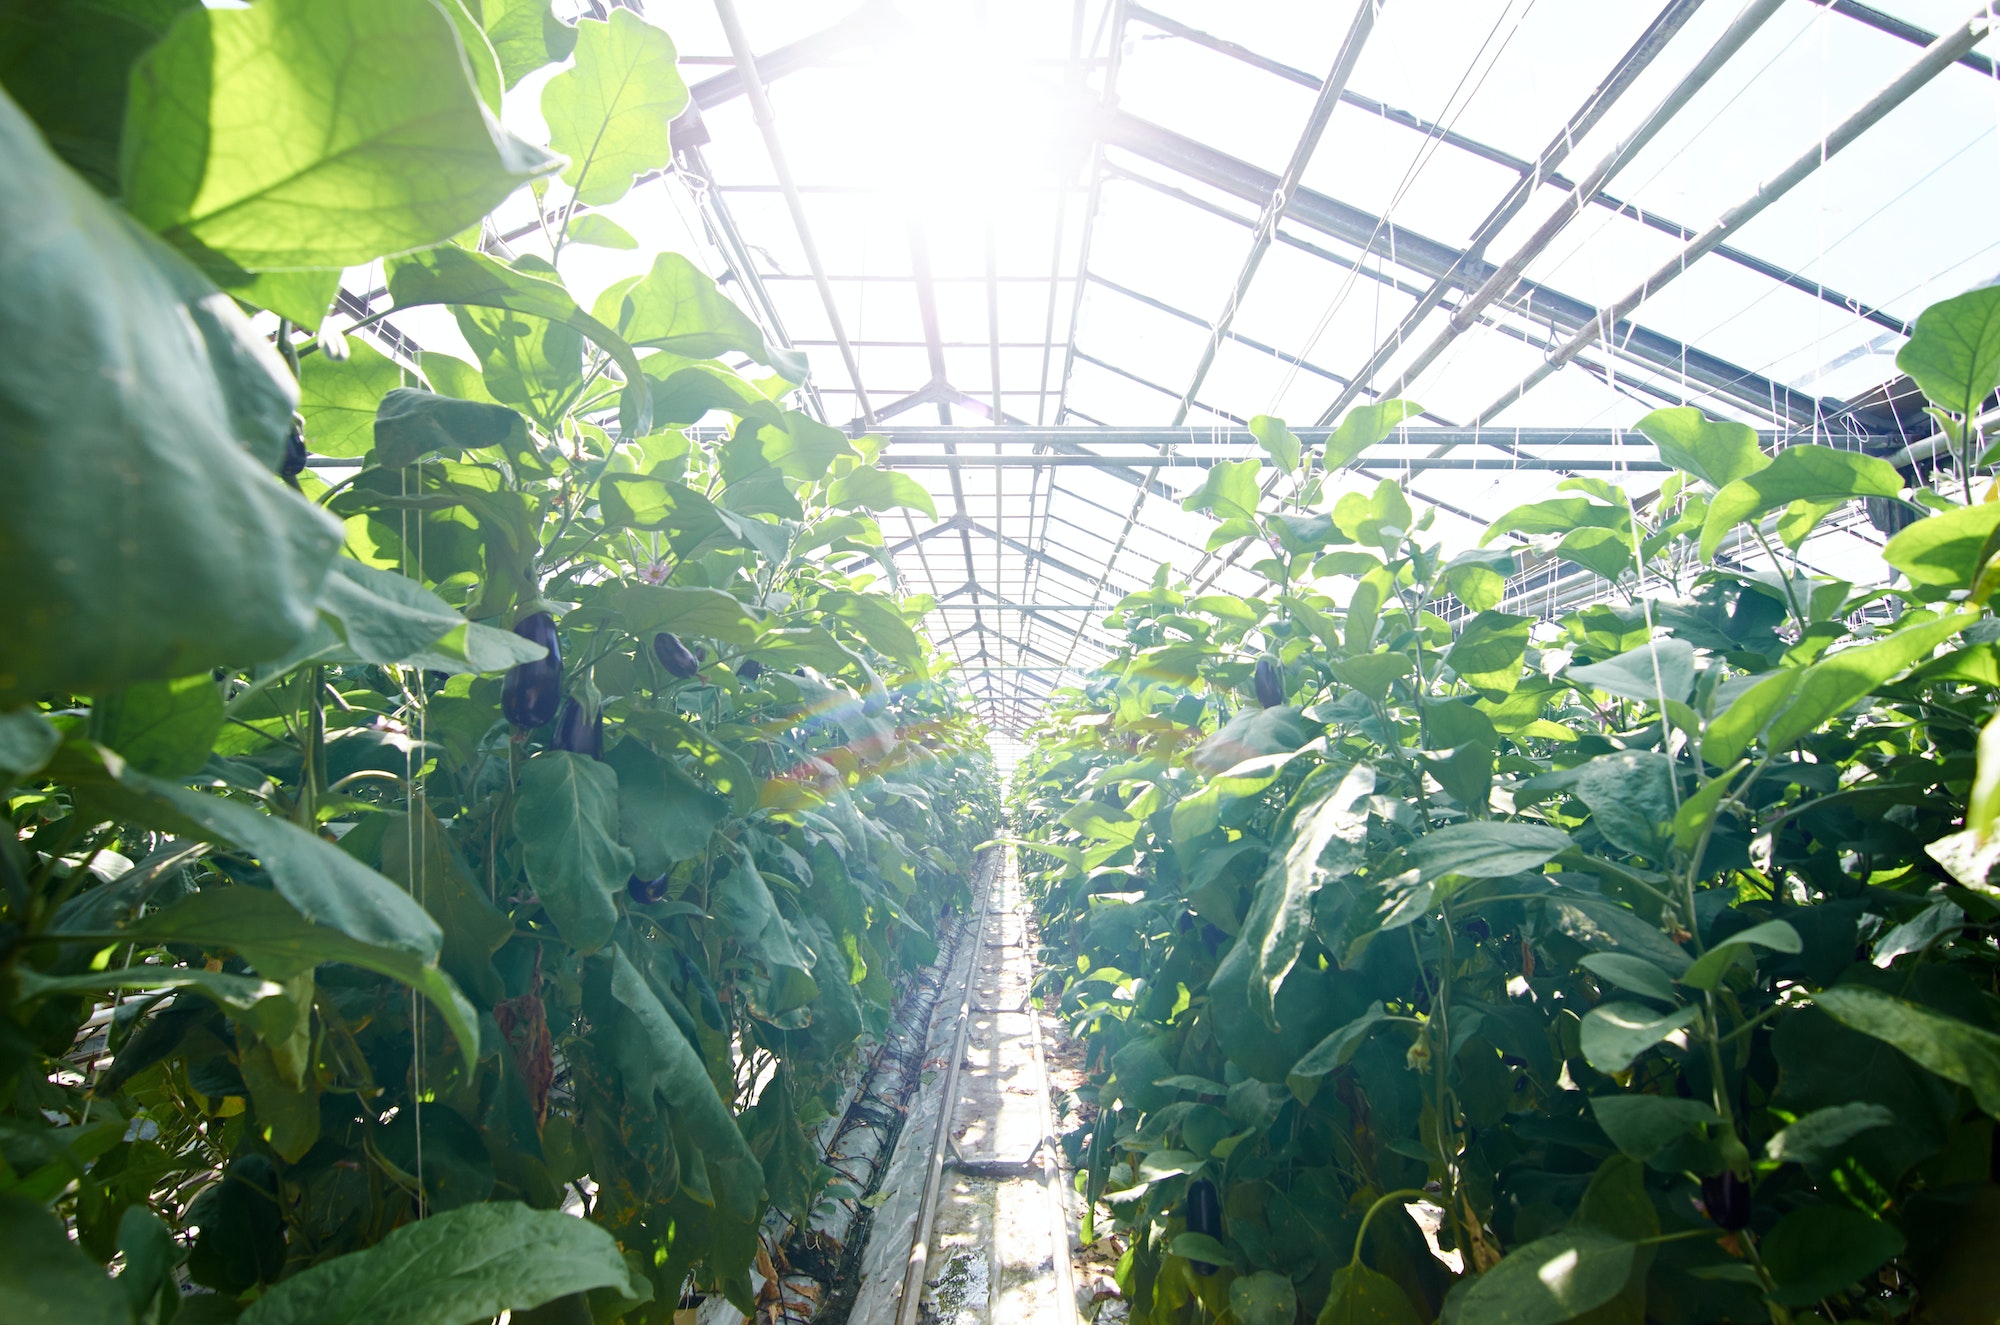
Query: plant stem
x,y
1361,1234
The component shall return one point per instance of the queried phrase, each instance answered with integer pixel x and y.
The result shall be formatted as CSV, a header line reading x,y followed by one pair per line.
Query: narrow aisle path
x,y
975,1229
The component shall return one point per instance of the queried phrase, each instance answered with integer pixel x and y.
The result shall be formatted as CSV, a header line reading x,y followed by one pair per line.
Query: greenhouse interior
x,y
929,662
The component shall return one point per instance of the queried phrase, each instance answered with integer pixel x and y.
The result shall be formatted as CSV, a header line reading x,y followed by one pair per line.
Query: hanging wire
x,y
1425,153
415,848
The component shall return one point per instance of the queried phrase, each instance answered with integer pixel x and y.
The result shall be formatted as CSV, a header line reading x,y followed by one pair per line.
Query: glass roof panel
x,y
1079,185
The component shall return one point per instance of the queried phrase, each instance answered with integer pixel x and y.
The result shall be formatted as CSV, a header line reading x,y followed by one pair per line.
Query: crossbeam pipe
x,y
1940,55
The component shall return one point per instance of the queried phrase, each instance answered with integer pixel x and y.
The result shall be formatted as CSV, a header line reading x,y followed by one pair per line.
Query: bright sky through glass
x,y
1048,204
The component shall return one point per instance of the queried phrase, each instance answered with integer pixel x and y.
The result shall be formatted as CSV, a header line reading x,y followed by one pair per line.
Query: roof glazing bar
x,y
1422,254
767,124
1504,277
1937,57
1279,199
1909,32
1651,42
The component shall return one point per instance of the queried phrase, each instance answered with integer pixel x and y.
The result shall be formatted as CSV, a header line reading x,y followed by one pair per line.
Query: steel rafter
x,y
1272,211
767,125
1665,25
1429,257
1940,55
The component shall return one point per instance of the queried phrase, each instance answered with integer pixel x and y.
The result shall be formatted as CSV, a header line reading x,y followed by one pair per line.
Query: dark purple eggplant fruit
x,y
1726,1196
1204,1215
531,691
674,655
579,731
646,891
294,462
1270,682
750,669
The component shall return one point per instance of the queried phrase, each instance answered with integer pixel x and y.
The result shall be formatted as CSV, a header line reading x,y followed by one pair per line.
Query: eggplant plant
x,y
382,891
1632,963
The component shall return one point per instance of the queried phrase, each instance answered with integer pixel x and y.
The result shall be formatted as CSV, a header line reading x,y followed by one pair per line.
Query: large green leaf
x,y
677,307
1329,838
610,110
1278,441
280,943
1791,702
45,1279
673,1073
1716,451
664,815
1818,1250
690,521
1361,1296
1263,1298
67,62
1662,669
1560,515
1229,490
1817,1137
1614,1034
704,613
525,35
411,424
338,398
1944,552
453,1268
452,276
1955,1050
315,133
871,489
1203,812
1711,966
140,536
162,727
1954,352
383,617
323,883
532,363
742,903
1551,1280
1631,798
1336,1049
1487,850
1487,654
1364,426
27,739
1629,972
1477,577
1644,1125
1250,733
877,621
421,856
1807,473
566,813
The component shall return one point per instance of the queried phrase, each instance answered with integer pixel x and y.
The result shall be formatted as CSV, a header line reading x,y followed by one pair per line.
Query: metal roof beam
x,y
767,125
1278,201
1603,97
1500,157
1908,32
1223,441
1418,252
1940,55
814,49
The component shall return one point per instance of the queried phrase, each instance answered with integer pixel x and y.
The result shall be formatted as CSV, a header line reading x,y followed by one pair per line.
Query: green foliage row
x,y
1650,948
525,819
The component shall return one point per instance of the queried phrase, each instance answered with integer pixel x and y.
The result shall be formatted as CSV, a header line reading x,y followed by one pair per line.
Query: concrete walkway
x,y
975,1217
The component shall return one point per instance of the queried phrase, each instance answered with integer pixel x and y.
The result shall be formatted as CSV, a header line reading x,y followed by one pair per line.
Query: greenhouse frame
x,y
925,662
